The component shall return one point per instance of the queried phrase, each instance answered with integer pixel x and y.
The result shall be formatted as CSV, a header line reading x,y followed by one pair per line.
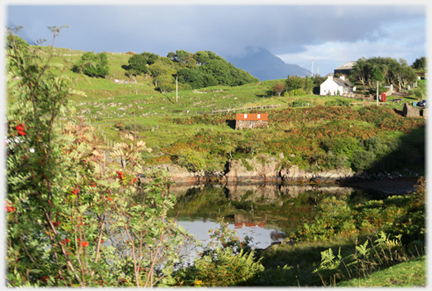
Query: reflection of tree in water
x,y
279,206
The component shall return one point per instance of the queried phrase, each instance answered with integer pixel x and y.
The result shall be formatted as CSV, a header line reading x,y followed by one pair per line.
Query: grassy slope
x,y
407,274
108,103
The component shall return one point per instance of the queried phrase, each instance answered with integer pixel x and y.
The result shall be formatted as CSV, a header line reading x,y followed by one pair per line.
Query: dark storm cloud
x,y
223,29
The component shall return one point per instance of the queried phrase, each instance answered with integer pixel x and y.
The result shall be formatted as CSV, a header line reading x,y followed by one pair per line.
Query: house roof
x,y
344,83
251,116
347,66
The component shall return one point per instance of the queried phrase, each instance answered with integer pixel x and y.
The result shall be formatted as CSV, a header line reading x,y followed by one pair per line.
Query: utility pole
x,y
312,69
176,89
377,92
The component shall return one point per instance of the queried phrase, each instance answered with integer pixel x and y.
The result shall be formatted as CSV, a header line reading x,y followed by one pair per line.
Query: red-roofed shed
x,y
251,120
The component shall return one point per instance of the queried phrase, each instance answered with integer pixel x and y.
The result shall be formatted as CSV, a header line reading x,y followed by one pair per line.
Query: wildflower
x,y
94,184
85,243
198,282
20,129
120,175
44,279
10,208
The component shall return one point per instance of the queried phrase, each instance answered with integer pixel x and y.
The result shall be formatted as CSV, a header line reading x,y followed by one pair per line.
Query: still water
x,y
267,213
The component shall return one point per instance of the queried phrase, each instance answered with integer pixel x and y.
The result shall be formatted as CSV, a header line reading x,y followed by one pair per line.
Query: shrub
x,y
93,65
64,200
362,160
297,92
341,146
222,270
334,103
192,160
225,261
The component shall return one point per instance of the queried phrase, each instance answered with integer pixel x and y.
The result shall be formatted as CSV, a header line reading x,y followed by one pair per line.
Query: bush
x,y
225,261
61,206
224,269
363,160
192,160
131,126
300,103
341,146
93,65
335,103
297,92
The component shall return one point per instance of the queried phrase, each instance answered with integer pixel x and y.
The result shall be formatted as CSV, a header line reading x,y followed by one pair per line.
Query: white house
x,y
335,86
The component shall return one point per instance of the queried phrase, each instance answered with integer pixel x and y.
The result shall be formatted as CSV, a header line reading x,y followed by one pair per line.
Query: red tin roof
x,y
251,116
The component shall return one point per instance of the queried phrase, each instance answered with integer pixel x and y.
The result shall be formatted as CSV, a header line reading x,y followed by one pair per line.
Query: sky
x,y
326,36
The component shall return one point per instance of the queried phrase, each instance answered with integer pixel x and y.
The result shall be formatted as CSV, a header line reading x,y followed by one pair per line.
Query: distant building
x,y
345,69
335,86
248,120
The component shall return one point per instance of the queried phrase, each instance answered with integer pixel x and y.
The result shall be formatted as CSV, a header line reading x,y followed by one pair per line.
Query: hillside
x,y
266,66
116,103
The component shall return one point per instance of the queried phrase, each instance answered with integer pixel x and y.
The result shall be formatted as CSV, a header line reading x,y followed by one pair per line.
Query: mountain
x,y
263,65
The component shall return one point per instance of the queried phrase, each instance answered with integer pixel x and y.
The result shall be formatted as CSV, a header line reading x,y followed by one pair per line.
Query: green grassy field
x,y
407,274
109,103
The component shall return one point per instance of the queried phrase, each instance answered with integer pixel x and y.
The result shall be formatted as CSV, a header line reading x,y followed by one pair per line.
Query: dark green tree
x,y
376,75
419,64
93,65
150,58
160,68
137,65
201,57
293,83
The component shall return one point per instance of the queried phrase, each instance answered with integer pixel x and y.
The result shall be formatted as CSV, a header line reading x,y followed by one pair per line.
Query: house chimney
x,y
330,77
342,77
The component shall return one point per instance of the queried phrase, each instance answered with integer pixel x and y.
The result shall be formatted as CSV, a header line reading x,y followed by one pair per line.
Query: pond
x,y
265,212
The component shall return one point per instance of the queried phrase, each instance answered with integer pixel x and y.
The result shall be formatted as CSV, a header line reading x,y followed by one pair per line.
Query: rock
x,y
262,168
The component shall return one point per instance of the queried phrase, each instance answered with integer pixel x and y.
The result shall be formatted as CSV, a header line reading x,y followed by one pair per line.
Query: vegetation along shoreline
x,y
96,142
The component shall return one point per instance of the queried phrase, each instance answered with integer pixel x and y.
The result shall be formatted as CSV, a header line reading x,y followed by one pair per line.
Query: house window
x,y
259,116
245,116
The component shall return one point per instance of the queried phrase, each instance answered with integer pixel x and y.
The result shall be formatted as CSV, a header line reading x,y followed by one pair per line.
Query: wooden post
x,y
176,89
377,92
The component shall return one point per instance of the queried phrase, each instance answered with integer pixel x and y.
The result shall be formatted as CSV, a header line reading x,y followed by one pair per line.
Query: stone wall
x,y
240,124
410,111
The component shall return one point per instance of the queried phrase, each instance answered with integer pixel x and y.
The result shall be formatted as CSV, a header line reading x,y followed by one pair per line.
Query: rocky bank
x,y
268,169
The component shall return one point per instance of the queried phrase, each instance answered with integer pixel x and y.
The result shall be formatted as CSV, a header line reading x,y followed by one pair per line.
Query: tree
x,y
137,65
150,58
64,201
308,85
394,72
376,75
420,64
361,70
160,68
278,88
293,83
93,65
201,57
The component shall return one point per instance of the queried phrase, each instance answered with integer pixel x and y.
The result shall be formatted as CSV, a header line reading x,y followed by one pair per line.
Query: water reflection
x,y
266,212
